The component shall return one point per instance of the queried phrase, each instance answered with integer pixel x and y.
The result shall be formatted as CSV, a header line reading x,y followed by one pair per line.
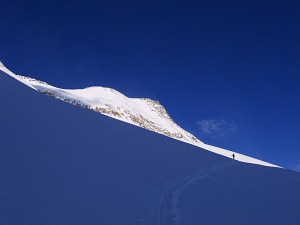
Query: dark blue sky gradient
x,y
233,61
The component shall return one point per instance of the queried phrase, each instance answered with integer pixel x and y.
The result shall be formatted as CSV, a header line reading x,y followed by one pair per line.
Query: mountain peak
x,y
142,112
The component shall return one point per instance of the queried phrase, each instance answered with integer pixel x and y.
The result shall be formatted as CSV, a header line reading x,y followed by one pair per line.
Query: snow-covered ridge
x,y
142,112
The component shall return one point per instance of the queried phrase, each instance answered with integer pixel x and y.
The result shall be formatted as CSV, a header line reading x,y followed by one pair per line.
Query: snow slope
x,y
142,112
64,165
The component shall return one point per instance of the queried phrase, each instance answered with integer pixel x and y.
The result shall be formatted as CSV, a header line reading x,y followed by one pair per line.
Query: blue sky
x,y
226,71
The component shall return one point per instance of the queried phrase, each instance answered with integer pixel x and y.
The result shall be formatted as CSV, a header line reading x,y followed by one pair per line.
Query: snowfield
x,y
142,112
65,165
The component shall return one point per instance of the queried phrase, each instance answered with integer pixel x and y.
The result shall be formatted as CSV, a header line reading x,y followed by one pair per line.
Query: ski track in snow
x,y
168,212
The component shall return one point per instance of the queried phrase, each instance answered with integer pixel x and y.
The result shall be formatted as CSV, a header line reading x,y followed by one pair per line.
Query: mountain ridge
x,y
142,112
131,110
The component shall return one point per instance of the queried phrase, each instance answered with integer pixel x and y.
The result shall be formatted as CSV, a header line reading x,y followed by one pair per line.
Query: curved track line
x,y
169,214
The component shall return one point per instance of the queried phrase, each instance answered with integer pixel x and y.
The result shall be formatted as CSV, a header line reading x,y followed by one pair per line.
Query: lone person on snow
x,y
233,156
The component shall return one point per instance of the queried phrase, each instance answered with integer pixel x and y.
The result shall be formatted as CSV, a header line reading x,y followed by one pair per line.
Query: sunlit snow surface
x,y
141,112
65,165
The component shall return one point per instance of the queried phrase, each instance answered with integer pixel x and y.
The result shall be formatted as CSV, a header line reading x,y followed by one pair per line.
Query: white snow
x,y
141,112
